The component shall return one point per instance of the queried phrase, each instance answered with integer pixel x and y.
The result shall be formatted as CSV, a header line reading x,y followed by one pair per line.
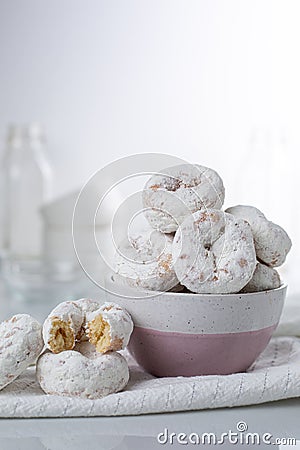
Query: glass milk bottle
x,y
13,145
28,185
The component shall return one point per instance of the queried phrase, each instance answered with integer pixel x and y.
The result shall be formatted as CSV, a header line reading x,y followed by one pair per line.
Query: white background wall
x,y
212,81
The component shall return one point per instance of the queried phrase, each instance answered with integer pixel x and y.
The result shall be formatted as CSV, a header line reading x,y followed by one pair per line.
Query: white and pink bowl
x,y
185,334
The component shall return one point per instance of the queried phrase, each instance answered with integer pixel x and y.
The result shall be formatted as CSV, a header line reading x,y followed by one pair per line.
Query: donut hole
x,y
61,336
99,334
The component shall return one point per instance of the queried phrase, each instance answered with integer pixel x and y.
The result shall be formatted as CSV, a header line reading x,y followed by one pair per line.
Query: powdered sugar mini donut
x,y
63,327
145,262
214,253
178,191
109,328
272,243
21,343
82,372
263,279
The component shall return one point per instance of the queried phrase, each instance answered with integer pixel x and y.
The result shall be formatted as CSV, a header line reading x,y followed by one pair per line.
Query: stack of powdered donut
x,y
77,349
194,245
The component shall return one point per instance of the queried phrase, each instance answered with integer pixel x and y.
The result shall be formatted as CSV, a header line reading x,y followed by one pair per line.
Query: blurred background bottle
x,y
26,185
13,145
270,182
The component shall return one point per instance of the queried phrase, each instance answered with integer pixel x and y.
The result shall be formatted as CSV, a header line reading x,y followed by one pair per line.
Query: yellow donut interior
x,y
99,334
61,336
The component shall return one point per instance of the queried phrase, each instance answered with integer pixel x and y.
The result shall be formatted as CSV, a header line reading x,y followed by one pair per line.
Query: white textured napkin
x,y
274,376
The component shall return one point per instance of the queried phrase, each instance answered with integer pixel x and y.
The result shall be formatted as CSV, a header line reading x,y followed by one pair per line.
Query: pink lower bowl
x,y
180,334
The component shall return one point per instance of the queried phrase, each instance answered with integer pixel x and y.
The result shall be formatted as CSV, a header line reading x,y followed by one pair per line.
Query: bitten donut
x,y
263,279
168,197
145,262
82,372
87,305
272,243
63,327
109,328
21,343
214,253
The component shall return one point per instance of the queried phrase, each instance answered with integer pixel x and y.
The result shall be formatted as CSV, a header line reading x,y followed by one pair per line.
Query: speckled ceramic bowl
x,y
199,334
